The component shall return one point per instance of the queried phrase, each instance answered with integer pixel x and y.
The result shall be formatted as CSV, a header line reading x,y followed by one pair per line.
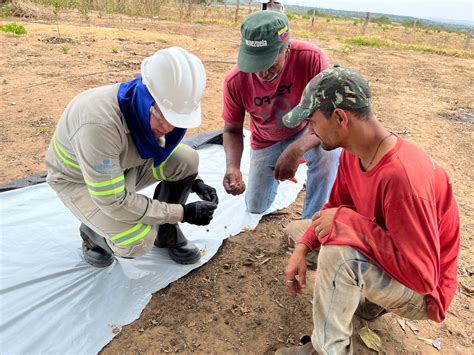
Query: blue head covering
x,y
135,101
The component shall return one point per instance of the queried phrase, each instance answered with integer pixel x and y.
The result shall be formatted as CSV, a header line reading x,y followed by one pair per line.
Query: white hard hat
x,y
176,79
272,5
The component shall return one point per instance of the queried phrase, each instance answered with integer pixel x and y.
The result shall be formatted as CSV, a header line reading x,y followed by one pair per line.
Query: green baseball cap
x,y
262,35
336,87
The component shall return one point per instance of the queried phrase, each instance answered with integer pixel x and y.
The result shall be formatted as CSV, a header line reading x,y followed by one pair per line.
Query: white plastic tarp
x,y
52,301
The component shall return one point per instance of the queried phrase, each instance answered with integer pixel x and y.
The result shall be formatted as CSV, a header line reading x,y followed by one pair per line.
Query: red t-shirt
x,y
402,216
267,103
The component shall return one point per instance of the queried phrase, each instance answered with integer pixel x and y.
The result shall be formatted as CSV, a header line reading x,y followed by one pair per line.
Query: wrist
x,y
232,167
182,213
302,249
296,150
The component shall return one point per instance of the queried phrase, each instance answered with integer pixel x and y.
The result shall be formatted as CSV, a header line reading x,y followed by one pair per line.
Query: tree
x,y
237,6
467,44
366,22
189,12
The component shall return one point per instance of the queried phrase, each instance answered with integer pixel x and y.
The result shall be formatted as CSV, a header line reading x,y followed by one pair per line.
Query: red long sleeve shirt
x,y
402,216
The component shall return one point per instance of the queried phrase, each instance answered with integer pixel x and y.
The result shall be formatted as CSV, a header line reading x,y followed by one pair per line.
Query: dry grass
x,y
30,10
347,31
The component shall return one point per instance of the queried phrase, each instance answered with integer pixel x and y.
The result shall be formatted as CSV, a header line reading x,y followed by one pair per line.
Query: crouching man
x,y
389,234
115,140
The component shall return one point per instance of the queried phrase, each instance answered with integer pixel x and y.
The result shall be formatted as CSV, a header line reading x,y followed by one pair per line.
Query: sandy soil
x,y
237,303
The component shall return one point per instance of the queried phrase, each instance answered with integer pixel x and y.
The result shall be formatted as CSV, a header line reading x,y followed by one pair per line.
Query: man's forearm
x,y
305,143
233,147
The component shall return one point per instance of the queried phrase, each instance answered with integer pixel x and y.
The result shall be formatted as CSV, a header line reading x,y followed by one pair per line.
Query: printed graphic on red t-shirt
x,y
268,102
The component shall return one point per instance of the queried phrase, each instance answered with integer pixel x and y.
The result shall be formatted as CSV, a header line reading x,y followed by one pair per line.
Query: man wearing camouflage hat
x,y
389,234
267,82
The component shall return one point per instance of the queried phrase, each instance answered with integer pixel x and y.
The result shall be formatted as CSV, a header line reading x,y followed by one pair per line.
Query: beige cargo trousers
x,y
182,163
345,280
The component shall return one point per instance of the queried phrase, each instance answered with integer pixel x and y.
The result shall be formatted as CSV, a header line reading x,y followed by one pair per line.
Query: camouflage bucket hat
x,y
336,87
262,35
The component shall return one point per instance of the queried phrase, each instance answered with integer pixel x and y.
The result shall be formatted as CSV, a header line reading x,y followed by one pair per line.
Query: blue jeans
x,y
262,187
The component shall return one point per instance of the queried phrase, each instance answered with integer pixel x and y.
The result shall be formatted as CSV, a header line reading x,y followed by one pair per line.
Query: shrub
x,y
12,27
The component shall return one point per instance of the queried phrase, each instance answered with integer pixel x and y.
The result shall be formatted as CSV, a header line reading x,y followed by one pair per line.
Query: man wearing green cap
x,y
267,82
389,234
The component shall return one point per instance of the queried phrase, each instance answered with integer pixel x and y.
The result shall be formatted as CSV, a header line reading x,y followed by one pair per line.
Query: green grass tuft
x,y
377,43
65,48
344,48
366,41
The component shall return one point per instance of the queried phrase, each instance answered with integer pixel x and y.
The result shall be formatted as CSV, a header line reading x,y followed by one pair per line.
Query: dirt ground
x,y
236,303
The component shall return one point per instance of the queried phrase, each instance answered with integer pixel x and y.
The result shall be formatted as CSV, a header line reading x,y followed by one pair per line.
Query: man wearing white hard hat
x,y
115,140
272,5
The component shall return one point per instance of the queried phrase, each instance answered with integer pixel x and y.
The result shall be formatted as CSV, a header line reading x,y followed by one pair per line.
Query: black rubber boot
x,y
370,311
94,247
170,235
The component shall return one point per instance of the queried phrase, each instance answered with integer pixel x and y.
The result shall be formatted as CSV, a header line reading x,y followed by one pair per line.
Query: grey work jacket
x,y
93,148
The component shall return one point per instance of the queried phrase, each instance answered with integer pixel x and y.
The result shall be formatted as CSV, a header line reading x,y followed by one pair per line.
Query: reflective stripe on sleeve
x,y
137,232
162,165
107,187
64,156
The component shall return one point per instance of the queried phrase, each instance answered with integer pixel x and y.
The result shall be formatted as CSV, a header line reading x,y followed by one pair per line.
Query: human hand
x,y
295,271
233,182
199,213
322,222
287,164
205,192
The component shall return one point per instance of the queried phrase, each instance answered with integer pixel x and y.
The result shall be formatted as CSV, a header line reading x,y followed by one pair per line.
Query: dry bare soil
x,y
236,303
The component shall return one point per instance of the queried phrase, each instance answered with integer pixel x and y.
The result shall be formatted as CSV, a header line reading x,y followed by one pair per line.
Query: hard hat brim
x,y
187,120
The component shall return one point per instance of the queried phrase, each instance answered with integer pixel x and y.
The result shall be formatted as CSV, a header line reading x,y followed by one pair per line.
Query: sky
x,y
441,9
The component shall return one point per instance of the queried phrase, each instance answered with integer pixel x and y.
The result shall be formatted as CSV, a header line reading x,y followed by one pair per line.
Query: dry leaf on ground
x,y
370,338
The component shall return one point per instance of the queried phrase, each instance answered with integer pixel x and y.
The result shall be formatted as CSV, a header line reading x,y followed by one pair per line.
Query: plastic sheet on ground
x,y
52,301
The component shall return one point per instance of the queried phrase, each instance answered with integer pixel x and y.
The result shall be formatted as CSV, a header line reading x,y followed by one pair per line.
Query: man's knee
x,y
326,162
182,163
333,256
255,205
